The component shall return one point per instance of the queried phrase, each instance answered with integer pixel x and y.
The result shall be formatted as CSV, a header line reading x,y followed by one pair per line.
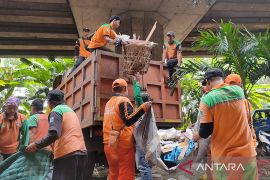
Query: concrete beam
x,y
183,22
177,15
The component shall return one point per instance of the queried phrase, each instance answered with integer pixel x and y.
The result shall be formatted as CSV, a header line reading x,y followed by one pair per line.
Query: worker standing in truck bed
x,y
81,53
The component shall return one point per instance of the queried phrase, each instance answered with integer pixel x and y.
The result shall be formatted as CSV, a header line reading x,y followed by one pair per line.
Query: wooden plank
x,y
151,32
36,19
38,35
4,4
37,47
19,12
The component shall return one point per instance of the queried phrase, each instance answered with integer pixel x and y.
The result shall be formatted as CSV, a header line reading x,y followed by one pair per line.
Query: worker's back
x,y
231,137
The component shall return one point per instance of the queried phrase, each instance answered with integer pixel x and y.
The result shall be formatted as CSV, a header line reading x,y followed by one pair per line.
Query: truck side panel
x,y
88,89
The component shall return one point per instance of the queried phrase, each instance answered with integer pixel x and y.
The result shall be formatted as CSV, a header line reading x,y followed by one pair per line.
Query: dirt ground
x,y
158,174
100,173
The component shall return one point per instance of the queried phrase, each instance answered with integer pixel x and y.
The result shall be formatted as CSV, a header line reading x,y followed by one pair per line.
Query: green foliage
x,y
240,52
35,76
190,74
235,50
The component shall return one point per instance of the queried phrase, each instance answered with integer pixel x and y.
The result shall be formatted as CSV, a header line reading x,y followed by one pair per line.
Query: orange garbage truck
x,y
88,88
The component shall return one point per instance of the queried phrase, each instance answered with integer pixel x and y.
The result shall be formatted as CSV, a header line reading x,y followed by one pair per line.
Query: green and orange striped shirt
x,y
224,106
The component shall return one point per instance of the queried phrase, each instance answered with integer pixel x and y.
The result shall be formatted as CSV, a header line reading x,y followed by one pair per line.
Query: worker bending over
x,y
65,136
104,35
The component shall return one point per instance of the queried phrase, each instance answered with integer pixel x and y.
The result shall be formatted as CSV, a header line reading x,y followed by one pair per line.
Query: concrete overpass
x,y
50,27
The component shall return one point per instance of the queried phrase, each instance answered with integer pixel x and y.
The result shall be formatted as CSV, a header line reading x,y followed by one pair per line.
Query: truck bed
x,y
88,89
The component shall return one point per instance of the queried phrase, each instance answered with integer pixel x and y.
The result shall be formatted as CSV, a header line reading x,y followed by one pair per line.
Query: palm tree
x,y
241,52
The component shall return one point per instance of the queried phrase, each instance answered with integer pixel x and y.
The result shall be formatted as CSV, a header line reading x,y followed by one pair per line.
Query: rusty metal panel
x,y
109,66
166,107
154,91
158,111
79,88
172,112
153,74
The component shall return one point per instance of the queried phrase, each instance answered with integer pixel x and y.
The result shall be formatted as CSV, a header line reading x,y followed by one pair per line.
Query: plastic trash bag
x,y
174,155
204,144
165,134
146,137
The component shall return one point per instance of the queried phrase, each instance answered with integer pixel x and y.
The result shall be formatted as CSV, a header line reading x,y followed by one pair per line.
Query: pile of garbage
x,y
176,145
165,149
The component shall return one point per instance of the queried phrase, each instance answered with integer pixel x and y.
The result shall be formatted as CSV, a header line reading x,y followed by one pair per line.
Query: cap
x,y
56,95
37,102
213,72
170,33
13,101
119,83
114,17
86,29
233,79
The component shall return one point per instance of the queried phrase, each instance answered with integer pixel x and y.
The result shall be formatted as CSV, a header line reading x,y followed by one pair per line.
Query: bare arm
x,y
179,56
164,55
179,53
110,40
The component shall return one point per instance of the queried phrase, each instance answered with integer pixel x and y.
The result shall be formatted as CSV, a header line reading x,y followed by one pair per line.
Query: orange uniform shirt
x,y
9,133
172,49
41,124
98,38
84,43
113,120
225,107
71,138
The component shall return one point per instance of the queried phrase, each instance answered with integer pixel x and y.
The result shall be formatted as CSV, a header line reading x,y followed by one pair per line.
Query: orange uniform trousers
x,y
121,163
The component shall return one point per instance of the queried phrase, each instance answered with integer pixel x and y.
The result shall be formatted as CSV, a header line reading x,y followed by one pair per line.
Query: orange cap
x,y
233,79
119,82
